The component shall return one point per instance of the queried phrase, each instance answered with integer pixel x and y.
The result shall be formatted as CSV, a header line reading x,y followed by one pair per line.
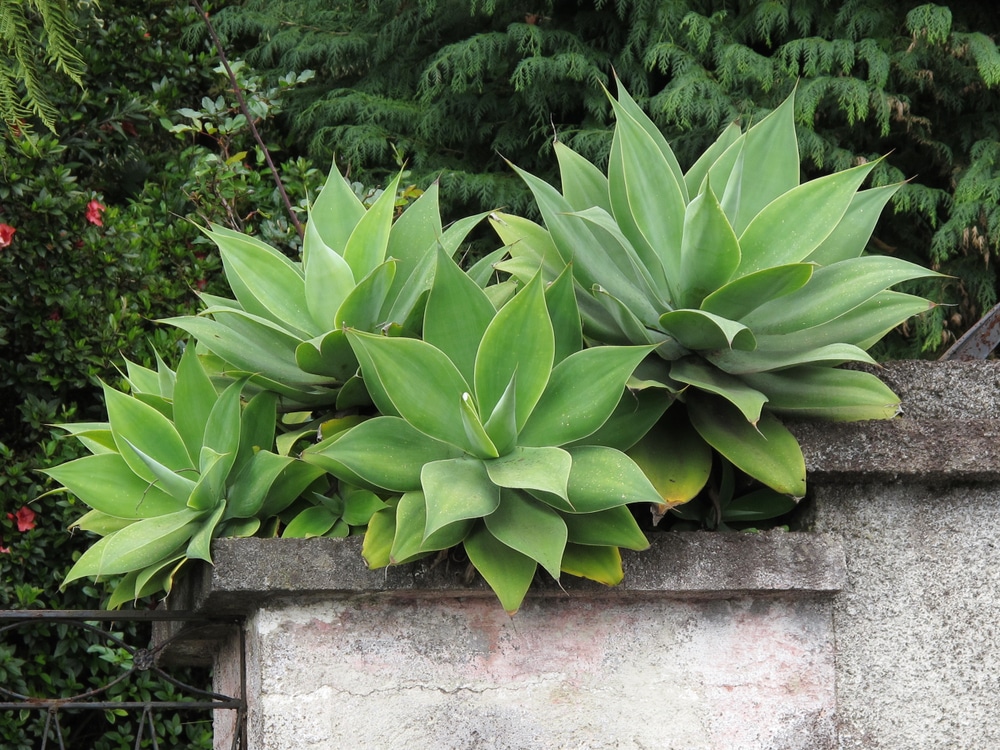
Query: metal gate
x,y
136,659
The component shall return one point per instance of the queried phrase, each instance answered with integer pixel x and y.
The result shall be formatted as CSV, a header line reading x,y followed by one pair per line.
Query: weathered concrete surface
x,y
690,564
918,626
369,673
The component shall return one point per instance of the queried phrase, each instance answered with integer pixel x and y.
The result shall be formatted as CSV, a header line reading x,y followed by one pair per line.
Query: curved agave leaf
x,y
768,451
851,236
603,478
743,295
601,564
701,375
457,489
367,245
766,359
809,392
709,252
613,527
529,527
698,171
545,469
508,572
674,458
409,542
699,330
328,278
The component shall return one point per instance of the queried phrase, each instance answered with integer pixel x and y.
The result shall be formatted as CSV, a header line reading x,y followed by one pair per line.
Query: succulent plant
x,y
752,288
177,464
484,430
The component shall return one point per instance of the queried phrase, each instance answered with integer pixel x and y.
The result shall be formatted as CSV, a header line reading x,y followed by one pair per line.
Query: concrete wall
x,y
879,627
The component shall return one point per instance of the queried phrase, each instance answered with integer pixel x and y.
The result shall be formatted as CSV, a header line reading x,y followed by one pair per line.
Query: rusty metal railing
x,y
142,659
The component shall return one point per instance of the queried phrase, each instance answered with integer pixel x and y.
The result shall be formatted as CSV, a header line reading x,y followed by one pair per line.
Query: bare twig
x,y
246,113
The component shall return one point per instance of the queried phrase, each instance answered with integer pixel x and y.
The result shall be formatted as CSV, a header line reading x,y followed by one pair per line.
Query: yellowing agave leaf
x,y
601,564
674,458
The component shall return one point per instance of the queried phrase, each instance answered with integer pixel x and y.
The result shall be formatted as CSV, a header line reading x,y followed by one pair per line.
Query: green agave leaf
x,y
704,377
766,167
793,225
475,432
767,452
100,523
614,527
583,184
633,330
483,270
863,326
135,423
767,359
177,486
142,379
157,578
583,391
200,546
642,285
637,411
314,521
696,175
107,484
256,427
266,283
508,572
208,490
457,315
700,330
124,592
367,245
745,294
336,212
833,291
709,251
165,377
603,478
409,542
629,106
416,230
457,489
222,430
576,243
530,528
674,458
248,347
137,546
647,198
329,355
601,564
286,488
247,494
501,426
194,397
519,339
95,436
378,539
546,469
240,527
328,278
760,505
425,388
386,452
824,393
529,242
363,306
560,300
851,236
360,506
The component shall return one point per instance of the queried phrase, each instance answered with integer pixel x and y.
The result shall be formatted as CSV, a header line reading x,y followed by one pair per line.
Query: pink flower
x,y
94,211
25,518
6,235
4,550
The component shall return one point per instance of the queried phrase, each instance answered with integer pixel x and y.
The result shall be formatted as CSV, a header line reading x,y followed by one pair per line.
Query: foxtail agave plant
x,y
359,269
177,464
484,430
751,287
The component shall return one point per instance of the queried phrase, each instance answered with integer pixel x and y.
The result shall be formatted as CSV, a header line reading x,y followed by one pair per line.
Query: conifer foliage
x,y
450,86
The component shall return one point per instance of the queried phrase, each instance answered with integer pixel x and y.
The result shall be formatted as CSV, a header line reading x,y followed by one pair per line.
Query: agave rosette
x,y
486,430
751,286
359,268
177,464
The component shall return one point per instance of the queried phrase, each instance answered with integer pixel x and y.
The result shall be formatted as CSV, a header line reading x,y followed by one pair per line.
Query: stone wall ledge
x,y
901,449
249,572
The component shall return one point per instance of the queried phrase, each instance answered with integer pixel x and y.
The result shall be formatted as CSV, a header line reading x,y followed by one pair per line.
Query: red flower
x,y
4,550
25,519
6,235
94,211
